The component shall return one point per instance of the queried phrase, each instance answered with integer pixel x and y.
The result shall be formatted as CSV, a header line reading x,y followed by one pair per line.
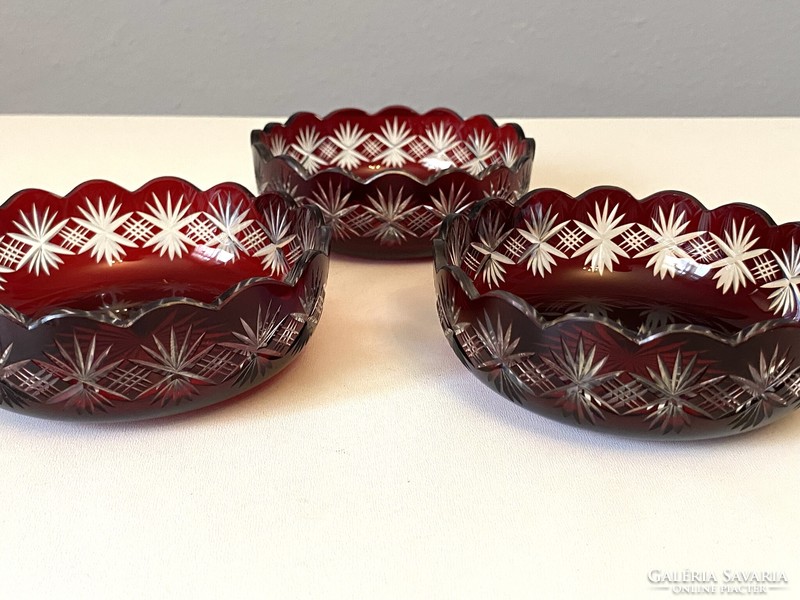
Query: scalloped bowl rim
x,y
105,316
266,155
441,262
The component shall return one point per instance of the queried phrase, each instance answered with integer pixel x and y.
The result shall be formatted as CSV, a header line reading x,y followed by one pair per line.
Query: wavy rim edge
x,y
106,317
264,153
441,262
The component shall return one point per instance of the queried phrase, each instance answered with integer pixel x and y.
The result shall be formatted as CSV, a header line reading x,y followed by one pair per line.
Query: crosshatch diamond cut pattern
x,y
73,238
624,396
11,253
36,382
202,230
571,239
137,230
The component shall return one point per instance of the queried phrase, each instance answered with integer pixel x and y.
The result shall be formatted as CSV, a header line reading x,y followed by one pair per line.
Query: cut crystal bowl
x,y
385,181
119,305
654,317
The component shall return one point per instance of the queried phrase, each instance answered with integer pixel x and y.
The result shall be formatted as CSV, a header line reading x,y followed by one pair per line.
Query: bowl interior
x,y
103,247
638,301
647,265
420,145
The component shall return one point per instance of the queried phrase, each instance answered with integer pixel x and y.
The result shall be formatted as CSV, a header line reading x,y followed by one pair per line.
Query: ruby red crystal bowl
x,y
654,317
385,181
122,305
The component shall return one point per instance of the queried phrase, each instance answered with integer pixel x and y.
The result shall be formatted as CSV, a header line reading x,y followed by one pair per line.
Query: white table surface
x,y
377,466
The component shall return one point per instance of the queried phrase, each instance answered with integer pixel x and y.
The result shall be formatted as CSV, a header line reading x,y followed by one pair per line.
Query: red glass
x,y
385,181
118,305
654,317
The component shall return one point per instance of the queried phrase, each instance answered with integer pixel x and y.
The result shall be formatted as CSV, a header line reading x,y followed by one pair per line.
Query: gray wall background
x,y
505,57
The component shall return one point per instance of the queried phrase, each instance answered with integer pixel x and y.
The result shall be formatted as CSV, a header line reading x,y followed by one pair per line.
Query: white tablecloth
x,y
376,465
